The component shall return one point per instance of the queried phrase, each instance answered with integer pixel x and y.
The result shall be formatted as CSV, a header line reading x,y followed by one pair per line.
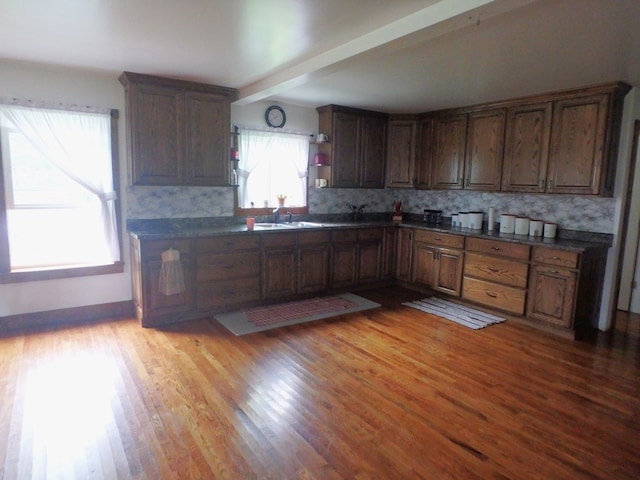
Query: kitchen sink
x,y
306,225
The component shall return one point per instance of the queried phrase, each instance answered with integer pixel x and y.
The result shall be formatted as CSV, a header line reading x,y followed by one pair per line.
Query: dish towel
x,y
171,275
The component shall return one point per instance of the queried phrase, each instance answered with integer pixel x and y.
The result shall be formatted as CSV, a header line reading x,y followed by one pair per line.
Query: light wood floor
x,y
391,393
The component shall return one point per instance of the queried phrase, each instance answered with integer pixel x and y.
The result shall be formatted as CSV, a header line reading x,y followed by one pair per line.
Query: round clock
x,y
275,116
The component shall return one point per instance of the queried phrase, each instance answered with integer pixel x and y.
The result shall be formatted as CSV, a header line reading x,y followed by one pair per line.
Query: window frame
x,y
7,276
261,211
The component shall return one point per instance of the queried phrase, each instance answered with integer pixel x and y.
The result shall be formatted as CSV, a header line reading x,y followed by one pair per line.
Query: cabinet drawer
x,y
227,266
280,240
560,258
496,247
493,295
436,238
496,269
350,236
370,234
226,294
227,243
153,248
313,237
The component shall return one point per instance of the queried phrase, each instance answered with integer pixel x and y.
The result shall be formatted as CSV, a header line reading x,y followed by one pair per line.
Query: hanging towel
x,y
171,276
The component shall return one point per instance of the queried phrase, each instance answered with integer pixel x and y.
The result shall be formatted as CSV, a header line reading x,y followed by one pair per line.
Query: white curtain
x,y
79,145
271,164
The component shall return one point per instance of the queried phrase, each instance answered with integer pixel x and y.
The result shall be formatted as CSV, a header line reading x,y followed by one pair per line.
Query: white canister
x,y
550,230
507,223
455,222
536,228
475,220
522,226
464,219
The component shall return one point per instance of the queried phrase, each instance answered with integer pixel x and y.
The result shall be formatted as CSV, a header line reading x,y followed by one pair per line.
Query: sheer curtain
x,y
272,164
79,145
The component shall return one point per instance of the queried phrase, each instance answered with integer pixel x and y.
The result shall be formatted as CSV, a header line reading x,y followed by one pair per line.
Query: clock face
x,y
275,116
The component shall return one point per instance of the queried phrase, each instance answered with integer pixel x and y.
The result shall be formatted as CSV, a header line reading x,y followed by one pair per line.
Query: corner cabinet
x,y
358,146
438,261
401,152
177,131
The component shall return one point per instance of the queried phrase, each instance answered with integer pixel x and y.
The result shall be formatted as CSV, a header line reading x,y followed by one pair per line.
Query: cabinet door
x,y
346,153
280,273
526,149
404,254
344,265
157,304
447,170
373,132
370,256
155,139
388,254
448,274
313,268
424,264
207,120
483,157
551,295
578,138
401,154
424,153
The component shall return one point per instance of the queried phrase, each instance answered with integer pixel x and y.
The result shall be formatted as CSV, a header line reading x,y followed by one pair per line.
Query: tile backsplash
x,y
571,212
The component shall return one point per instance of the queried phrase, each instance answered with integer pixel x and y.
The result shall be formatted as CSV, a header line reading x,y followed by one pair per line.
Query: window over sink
x,y
272,171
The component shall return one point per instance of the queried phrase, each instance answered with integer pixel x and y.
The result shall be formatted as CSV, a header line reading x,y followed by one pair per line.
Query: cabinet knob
x,y
496,248
491,294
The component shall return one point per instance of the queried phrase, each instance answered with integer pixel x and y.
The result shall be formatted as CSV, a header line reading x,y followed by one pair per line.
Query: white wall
x,y
28,81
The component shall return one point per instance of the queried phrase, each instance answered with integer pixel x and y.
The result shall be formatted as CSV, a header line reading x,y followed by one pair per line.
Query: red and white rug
x,y
258,319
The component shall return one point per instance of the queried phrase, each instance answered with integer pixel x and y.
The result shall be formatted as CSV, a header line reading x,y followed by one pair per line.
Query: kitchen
x,y
371,396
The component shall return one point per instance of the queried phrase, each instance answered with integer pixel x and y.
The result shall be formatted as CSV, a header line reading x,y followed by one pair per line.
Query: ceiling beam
x,y
433,21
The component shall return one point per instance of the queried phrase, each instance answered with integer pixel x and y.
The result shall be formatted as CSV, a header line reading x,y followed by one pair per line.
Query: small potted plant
x,y
281,198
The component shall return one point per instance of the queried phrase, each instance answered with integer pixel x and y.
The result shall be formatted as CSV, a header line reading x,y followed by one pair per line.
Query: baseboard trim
x,y
53,319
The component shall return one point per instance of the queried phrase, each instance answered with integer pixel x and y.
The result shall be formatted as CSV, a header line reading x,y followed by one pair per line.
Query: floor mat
x,y
467,316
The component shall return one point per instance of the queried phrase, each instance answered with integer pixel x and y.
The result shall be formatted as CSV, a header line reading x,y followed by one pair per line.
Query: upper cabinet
x,y
177,131
526,149
565,142
358,146
401,152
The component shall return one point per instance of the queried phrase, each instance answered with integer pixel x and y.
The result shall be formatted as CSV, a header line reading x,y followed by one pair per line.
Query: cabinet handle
x,y
497,249
555,272
491,294
494,270
555,258
437,239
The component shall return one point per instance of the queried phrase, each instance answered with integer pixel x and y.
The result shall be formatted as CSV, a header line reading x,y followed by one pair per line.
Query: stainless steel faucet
x,y
276,215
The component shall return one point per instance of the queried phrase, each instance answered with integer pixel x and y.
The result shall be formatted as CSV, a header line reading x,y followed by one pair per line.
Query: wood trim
x,y
127,78
38,275
66,316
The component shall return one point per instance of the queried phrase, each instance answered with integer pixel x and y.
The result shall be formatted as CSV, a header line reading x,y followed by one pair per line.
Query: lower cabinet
x,y
344,258
404,254
495,274
227,271
280,265
438,261
370,249
313,261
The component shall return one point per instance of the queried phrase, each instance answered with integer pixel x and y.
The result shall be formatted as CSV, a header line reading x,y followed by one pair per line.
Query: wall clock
x,y
275,116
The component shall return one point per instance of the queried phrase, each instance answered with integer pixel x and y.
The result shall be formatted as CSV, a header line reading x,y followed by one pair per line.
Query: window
x,y
272,165
58,198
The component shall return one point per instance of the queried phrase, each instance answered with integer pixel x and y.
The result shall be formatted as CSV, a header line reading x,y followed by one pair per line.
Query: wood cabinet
x,y
526,150
484,148
358,146
370,249
404,254
438,261
151,305
495,274
177,131
388,254
314,251
424,151
279,265
227,271
450,140
344,258
401,152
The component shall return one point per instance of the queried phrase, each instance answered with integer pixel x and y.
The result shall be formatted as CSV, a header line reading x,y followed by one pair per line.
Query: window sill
x,y
53,274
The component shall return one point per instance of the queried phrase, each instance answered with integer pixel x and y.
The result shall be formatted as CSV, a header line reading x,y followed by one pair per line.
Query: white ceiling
x,y
393,56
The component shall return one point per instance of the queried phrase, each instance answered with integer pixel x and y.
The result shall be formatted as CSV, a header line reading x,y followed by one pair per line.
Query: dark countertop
x,y
189,228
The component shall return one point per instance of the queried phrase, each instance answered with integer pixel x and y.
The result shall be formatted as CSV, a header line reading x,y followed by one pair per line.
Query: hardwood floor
x,y
391,393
